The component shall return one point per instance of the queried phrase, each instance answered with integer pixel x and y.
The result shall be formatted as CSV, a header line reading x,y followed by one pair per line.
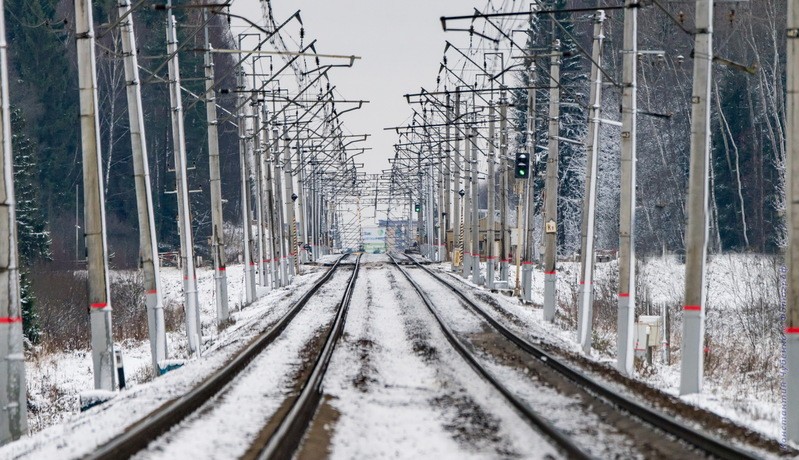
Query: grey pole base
x,y
693,359
527,281
467,266
504,271
105,375
792,385
550,296
476,278
624,357
585,317
490,273
222,310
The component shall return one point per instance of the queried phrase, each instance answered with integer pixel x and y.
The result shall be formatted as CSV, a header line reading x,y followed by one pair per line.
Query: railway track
x,y
567,445
282,442
698,440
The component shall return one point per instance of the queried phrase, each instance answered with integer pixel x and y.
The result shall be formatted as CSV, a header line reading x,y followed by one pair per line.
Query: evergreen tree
x,y
32,237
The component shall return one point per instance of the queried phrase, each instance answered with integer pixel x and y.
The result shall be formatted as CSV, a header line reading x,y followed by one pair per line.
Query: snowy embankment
x,y
743,330
55,380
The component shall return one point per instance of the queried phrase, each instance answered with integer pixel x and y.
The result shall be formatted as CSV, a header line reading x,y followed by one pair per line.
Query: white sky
x,y
401,45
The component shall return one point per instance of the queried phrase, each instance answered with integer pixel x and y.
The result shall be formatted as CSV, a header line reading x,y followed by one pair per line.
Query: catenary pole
x,y
217,221
791,377
475,220
551,189
193,327
457,262
269,206
258,182
446,186
529,236
466,272
13,400
291,219
585,296
103,359
505,184
490,224
697,228
148,243
249,268
629,101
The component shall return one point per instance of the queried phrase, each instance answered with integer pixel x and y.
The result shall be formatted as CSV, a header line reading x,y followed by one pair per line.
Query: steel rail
x,y
567,445
658,420
136,437
287,436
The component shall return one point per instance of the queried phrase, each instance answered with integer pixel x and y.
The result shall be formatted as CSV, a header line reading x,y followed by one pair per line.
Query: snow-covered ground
x,y
734,283
63,432
393,376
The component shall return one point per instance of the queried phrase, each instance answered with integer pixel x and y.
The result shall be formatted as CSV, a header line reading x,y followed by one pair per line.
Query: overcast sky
x,y
400,42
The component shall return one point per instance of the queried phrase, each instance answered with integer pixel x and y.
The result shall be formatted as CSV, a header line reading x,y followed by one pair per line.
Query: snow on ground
x,y
403,392
731,286
234,419
74,434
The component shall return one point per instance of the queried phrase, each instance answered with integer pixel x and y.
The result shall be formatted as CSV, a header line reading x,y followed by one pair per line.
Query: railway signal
x,y
522,169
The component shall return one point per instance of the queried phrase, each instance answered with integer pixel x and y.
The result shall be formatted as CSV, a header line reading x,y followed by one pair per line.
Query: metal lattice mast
x,y
148,243
105,377
14,419
698,180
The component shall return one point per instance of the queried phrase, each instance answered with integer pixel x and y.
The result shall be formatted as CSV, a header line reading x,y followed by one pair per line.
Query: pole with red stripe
x,y
696,232
94,206
791,376
14,413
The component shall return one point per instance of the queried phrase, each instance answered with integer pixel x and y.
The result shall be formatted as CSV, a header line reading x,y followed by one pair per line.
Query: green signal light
x,y
521,173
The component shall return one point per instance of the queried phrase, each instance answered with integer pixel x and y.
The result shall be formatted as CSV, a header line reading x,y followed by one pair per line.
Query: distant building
x,y
374,239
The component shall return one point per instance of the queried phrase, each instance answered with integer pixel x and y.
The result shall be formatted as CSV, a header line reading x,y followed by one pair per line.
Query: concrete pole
x,y
432,245
148,243
585,296
290,214
105,377
457,199
301,191
529,235
697,228
260,196
278,196
446,186
443,187
629,104
13,400
791,378
476,275
551,190
193,327
269,207
491,258
217,222
466,272
504,206
249,268
249,158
